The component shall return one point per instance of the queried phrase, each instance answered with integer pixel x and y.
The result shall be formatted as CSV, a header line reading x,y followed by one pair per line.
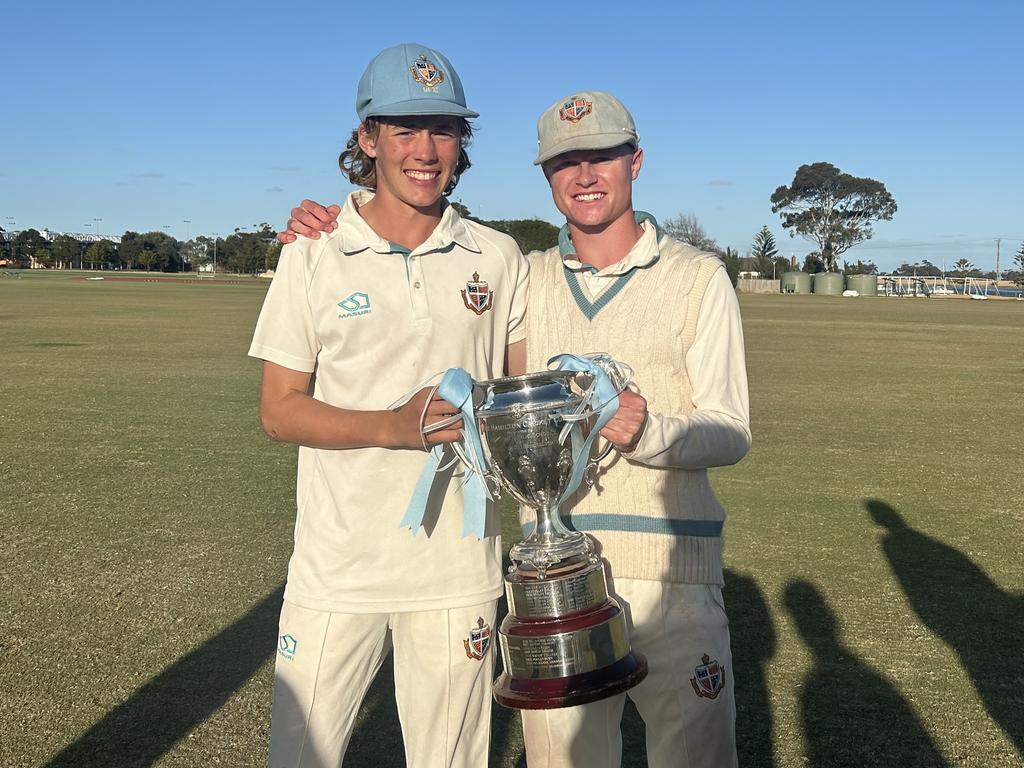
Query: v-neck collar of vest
x,y
572,276
591,308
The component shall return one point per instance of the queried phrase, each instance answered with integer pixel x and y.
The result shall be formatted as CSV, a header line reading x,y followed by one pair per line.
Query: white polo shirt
x,y
373,324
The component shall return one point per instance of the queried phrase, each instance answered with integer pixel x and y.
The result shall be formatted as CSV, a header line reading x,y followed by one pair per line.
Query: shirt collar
x,y
644,252
356,235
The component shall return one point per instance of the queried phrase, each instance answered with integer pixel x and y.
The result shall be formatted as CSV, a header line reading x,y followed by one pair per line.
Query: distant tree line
x,y
833,209
242,252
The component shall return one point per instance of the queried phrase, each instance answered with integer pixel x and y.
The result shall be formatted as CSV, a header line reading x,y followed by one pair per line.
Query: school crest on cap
x,y
708,678
576,109
479,640
425,73
477,296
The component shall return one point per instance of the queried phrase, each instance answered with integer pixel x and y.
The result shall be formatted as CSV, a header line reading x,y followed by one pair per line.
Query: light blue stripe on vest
x,y
701,529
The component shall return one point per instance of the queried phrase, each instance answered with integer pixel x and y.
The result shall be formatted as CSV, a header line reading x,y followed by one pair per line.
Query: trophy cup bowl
x,y
564,641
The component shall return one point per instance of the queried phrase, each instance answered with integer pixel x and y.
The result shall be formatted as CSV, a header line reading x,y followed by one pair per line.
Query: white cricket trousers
x,y
326,662
686,701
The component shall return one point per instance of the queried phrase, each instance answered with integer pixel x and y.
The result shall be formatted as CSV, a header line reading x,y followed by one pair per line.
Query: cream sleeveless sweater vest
x,y
649,523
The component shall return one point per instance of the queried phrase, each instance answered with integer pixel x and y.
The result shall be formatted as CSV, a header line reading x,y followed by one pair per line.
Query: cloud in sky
x,y
720,183
274,189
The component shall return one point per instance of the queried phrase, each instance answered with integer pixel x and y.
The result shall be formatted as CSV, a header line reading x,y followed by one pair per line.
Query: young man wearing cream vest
x,y
617,284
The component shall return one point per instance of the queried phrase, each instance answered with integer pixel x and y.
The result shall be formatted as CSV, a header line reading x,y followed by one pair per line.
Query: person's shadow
x,y
954,598
753,639
851,715
168,707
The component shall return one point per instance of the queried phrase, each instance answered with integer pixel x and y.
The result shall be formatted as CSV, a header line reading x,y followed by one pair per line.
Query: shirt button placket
x,y
419,292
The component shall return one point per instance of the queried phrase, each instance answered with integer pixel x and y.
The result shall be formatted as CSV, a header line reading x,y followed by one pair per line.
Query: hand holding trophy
x,y
564,641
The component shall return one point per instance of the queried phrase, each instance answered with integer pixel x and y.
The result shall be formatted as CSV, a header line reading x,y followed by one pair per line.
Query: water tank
x,y
795,282
828,283
865,285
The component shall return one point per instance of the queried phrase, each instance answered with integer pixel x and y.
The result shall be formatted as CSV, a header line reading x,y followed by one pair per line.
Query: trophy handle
x,y
620,374
492,483
590,476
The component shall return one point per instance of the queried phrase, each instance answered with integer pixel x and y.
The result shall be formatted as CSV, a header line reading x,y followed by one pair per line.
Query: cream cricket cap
x,y
585,120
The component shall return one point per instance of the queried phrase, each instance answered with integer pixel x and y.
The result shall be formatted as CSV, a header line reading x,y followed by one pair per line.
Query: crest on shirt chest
x,y
477,295
479,640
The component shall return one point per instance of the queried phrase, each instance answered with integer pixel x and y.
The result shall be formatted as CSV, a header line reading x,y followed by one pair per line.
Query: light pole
x,y
186,222
98,235
81,250
11,224
215,237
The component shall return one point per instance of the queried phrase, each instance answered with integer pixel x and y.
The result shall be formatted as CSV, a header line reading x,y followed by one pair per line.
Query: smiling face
x,y
594,187
415,157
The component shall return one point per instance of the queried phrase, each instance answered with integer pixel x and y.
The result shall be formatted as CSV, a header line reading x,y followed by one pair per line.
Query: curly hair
x,y
360,168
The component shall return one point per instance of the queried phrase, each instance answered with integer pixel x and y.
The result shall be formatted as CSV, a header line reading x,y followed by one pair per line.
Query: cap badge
x,y
425,73
477,296
576,109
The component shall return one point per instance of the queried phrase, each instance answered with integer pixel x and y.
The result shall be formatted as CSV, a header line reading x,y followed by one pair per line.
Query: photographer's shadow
x,y
958,602
851,715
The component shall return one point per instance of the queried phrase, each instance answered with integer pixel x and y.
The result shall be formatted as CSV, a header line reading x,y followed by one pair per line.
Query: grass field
x,y
875,542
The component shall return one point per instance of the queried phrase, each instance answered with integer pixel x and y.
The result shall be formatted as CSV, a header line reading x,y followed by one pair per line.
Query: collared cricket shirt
x,y
373,322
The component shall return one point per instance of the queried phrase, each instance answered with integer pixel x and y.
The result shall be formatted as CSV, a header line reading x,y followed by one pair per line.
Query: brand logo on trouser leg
x,y
286,646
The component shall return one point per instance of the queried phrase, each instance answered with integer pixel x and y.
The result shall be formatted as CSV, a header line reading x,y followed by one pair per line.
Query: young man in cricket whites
x,y
402,289
617,284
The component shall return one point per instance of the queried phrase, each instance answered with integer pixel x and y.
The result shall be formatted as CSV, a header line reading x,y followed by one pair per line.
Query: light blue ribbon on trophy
x,y
456,387
601,397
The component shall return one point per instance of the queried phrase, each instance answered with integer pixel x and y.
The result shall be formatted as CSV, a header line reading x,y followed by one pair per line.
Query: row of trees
x,y
241,252
833,209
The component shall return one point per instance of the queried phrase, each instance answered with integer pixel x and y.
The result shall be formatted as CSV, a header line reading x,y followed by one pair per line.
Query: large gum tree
x,y
832,209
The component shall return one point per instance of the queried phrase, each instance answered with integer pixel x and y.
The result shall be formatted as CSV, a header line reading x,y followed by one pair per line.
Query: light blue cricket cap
x,y
410,79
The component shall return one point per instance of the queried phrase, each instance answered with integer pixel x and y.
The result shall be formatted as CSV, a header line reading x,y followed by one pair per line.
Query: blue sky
x,y
226,114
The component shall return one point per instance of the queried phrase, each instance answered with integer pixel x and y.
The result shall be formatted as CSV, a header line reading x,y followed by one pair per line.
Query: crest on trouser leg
x,y
479,640
708,679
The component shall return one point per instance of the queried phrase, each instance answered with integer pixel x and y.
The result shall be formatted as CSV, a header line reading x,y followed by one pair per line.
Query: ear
x,y
367,143
638,160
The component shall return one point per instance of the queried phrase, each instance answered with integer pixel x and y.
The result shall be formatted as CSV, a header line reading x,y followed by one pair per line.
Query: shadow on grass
x,y
753,639
851,715
140,731
960,604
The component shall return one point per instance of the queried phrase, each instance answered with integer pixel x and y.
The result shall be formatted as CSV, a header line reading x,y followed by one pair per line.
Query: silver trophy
x,y
564,641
